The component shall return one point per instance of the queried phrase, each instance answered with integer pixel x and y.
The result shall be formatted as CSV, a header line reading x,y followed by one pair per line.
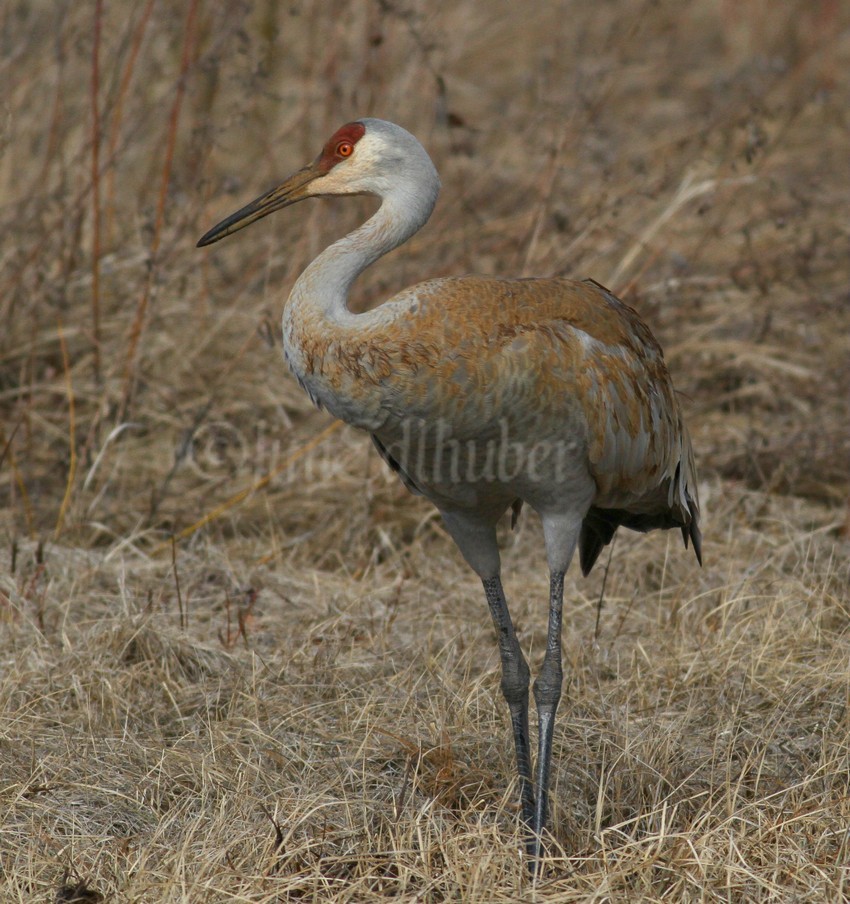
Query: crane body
x,y
483,394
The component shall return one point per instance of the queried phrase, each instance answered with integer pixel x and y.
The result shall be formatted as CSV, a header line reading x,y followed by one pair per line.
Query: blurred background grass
x,y
691,156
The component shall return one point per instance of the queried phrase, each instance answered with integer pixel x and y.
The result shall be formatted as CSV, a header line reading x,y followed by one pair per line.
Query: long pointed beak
x,y
294,189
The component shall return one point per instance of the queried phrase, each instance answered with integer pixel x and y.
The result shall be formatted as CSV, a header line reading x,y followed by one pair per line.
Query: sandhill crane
x,y
484,393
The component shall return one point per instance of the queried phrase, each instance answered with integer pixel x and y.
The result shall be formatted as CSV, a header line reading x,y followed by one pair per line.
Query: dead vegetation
x,y
237,661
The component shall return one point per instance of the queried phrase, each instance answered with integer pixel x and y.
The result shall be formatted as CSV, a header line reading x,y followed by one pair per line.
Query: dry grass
x,y
299,700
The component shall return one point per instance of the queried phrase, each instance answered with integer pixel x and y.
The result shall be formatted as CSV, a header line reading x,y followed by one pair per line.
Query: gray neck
x,y
323,287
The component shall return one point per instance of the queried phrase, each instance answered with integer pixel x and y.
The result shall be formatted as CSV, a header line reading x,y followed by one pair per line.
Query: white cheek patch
x,y
346,176
366,153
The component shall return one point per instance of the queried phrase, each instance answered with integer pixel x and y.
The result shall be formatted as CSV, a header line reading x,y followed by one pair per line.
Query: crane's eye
x,y
344,149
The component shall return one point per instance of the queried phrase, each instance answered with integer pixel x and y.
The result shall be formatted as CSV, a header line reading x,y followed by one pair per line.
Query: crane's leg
x,y
561,530
547,694
515,677
475,535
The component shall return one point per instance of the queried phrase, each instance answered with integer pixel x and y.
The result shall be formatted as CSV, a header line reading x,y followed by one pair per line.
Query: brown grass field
x,y
238,662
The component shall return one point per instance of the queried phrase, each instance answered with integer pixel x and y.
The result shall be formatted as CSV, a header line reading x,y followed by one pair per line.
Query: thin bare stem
x,y
184,615
95,195
72,432
118,110
171,140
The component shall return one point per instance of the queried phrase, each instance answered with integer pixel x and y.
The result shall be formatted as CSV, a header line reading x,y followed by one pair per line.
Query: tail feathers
x,y
600,525
597,531
691,529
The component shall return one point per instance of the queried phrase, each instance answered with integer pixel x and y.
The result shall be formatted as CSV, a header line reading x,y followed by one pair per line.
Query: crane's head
x,y
364,157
